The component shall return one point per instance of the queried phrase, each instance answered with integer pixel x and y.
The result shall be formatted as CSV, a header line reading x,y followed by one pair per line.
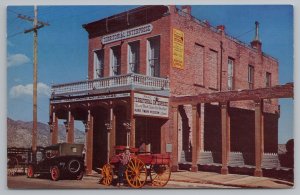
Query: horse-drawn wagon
x,y
141,168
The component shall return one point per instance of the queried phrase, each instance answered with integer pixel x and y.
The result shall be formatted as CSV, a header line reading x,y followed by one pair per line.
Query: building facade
x,y
137,60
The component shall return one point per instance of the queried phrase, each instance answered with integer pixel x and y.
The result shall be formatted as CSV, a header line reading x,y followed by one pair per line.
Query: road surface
x,y
22,182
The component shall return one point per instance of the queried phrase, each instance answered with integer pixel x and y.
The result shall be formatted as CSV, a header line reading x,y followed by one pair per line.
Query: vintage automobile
x,y
62,160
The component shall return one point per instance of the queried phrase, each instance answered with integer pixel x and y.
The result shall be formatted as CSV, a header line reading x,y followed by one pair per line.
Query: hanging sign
x,y
178,49
126,34
150,105
90,98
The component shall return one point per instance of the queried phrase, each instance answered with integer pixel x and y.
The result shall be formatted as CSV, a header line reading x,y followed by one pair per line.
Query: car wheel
x,y
80,175
30,171
55,173
74,166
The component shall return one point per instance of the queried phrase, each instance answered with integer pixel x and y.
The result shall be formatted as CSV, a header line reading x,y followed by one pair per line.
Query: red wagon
x,y
142,168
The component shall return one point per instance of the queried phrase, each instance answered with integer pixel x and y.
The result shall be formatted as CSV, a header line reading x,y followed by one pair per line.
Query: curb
x,y
233,185
201,181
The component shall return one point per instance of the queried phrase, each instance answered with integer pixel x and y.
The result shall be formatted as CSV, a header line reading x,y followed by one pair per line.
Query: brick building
x,y
137,60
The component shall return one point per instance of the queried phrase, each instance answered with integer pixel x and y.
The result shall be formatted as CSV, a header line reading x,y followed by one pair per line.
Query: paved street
x,y
89,183
180,179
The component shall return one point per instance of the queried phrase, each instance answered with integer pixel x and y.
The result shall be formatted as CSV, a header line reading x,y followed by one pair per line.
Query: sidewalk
x,y
234,180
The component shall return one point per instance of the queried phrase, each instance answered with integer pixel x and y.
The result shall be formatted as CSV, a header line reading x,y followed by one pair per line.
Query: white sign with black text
x,y
90,98
126,34
150,105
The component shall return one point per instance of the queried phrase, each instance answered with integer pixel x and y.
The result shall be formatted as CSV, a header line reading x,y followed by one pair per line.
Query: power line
x,y
18,11
245,33
13,11
15,34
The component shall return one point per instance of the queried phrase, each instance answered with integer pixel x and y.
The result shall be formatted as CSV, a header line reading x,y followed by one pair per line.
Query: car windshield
x,y
51,153
39,156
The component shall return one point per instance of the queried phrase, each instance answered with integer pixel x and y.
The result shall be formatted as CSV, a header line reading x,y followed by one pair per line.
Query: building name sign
x,y
90,98
178,49
126,34
149,105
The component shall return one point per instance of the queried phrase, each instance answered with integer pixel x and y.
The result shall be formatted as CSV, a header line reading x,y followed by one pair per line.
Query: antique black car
x,y
61,160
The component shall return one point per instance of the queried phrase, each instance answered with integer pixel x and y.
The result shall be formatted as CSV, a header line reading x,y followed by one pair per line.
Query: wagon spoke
x,y
136,173
130,166
160,175
107,174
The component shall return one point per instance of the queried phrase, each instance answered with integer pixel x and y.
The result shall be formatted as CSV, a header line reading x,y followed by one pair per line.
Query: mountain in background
x,y
19,134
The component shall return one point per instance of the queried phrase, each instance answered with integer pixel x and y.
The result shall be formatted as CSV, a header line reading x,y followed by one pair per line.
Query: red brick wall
x,y
195,77
194,33
160,28
187,82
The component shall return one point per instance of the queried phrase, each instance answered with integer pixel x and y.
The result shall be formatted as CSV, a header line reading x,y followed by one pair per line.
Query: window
x,y
115,62
198,59
230,74
134,57
213,69
153,57
251,76
98,64
268,79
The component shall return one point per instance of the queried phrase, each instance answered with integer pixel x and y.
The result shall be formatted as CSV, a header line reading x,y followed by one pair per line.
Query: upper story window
x,y
251,76
134,57
230,74
115,62
98,64
268,79
198,59
153,49
212,69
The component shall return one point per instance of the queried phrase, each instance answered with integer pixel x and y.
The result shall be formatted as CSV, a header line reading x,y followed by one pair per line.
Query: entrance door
x,y
121,133
99,138
149,131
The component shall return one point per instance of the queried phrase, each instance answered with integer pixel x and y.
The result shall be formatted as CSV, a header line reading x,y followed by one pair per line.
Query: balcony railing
x,y
132,79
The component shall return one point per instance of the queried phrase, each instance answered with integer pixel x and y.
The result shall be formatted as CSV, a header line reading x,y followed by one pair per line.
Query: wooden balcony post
x,y
174,159
132,132
89,143
224,132
70,128
258,137
54,129
112,132
195,137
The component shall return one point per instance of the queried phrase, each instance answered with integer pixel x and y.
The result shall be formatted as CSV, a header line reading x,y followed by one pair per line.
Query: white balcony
x,y
130,81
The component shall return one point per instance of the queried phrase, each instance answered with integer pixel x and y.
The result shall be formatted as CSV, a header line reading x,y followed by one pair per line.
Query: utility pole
x,y
36,25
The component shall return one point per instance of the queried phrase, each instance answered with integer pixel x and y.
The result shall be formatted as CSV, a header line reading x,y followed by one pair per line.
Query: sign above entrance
x,y
178,49
91,98
150,105
126,34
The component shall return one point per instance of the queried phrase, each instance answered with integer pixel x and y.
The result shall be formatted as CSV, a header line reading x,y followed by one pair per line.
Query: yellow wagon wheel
x,y
136,173
160,175
107,173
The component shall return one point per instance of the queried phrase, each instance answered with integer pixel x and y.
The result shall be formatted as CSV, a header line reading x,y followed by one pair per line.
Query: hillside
x,y
19,134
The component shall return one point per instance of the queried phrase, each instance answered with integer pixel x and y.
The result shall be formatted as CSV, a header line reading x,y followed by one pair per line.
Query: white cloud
x,y
10,43
17,60
21,90
17,80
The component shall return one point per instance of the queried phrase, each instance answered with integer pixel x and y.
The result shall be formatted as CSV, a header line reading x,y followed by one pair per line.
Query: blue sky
x,y
63,46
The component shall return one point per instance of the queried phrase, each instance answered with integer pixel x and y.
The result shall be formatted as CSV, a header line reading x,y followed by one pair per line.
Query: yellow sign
x,y
178,49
